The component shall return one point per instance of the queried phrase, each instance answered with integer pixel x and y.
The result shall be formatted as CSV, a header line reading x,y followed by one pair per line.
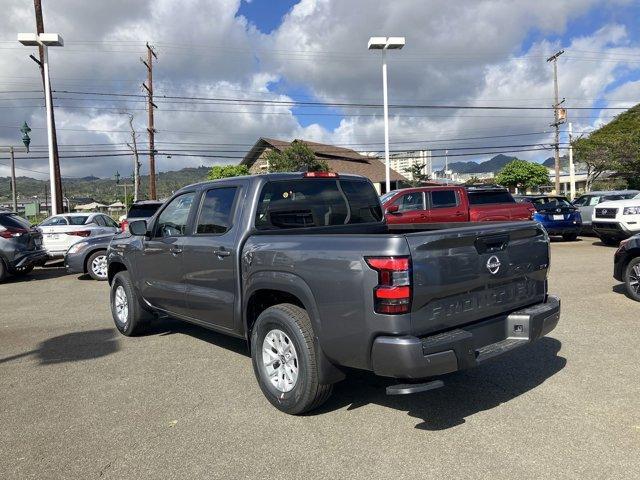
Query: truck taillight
x,y
320,175
123,225
11,232
392,295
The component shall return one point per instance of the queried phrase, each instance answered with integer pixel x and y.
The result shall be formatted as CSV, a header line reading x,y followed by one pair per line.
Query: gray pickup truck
x,y
305,269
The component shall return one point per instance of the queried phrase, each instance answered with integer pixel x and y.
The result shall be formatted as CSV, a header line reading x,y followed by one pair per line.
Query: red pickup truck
x,y
452,204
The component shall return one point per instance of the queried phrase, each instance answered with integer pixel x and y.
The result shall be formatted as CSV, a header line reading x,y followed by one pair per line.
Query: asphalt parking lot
x,y
80,401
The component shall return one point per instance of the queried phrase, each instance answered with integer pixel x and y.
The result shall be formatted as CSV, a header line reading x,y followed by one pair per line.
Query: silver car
x,y
587,202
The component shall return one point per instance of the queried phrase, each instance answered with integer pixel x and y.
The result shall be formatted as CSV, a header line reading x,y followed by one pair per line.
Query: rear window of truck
x,y
483,197
317,203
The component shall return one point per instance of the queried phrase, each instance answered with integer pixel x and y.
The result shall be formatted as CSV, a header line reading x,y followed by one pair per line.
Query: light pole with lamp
x,y
384,44
46,40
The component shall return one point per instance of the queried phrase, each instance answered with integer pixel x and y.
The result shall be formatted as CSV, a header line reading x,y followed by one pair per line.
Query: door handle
x,y
175,251
458,214
222,252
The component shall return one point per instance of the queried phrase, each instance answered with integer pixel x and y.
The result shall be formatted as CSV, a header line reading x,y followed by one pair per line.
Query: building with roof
x,y
339,159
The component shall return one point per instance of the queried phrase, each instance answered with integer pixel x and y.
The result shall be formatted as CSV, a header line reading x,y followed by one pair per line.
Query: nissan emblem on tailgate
x,y
493,265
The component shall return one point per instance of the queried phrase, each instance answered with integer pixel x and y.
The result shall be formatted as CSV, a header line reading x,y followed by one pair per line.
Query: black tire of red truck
x,y
290,383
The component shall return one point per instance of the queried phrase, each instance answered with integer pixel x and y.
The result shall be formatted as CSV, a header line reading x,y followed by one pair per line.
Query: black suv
x,y
20,246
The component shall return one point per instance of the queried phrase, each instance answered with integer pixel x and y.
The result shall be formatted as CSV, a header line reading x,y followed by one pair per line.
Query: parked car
x,y
626,265
89,256
588,201
615,220
556,214
61,231
140,211
20,246
449,205
303,266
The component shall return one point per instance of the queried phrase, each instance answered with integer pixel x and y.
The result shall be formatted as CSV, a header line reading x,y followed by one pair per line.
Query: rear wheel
x,y
3,270
97,265
284,360
632,279
126,308
570,237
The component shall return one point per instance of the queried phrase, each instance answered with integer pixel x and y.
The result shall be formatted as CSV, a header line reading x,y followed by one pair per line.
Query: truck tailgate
x,y
472,273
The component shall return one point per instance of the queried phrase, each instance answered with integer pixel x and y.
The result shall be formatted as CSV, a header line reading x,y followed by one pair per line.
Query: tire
x,y
3,270
305,393
133,318
97,265
570,237
610,241
632,279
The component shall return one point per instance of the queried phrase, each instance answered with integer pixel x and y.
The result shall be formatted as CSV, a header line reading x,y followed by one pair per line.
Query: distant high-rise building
x,y
401,162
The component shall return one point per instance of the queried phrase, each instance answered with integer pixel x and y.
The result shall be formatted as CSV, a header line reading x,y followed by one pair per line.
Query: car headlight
x,y
631,211
76,247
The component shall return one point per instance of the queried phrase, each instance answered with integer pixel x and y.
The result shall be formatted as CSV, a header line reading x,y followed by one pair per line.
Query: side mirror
x,y
393,208
138,227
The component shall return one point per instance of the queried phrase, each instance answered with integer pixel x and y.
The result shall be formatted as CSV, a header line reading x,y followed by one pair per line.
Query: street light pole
x,y
387,170
572,167
49,107
46,40
384,44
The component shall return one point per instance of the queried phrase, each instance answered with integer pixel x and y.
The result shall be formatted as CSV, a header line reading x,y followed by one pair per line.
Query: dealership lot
x,y
80,401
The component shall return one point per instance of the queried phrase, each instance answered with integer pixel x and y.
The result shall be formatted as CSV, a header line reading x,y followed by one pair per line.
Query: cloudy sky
x,y
466,53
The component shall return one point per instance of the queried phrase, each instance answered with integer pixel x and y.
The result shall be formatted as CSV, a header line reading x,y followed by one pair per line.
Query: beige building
x,y
339,159
403,161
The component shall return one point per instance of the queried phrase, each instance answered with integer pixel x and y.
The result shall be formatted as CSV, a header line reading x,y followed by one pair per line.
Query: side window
x,y
172,222
443,198
216,212
410,201
581,202
99,220
594,201
110,222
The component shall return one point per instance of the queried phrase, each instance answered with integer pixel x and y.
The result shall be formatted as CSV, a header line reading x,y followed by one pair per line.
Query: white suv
x,y
615,220
59,232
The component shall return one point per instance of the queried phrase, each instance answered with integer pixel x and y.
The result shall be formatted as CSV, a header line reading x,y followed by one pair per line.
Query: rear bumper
x,y
563,229
27,259
463,348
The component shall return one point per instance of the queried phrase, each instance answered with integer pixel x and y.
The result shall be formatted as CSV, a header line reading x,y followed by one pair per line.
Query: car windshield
x,y
386,196
550,203
317,203
144,210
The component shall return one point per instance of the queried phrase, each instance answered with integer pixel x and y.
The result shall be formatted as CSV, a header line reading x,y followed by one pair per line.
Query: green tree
x,y
298,157
523,174
416,172
225,171
613,147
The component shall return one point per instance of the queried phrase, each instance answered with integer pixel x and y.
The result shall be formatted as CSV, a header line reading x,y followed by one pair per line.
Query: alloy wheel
x,y
280,360
121,305
99,266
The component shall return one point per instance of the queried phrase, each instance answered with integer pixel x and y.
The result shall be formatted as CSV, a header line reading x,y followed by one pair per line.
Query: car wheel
x,y
126,309
284,360
3,270
632,279
611,241
97,265
570,237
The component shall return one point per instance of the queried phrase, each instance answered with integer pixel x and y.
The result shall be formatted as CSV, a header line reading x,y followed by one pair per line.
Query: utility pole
x,y
556,115
572,167
57,180
14,192
133,146
151,54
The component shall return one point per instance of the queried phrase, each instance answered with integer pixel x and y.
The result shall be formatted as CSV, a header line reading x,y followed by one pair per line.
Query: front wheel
x,y
97,265
632,279
284,360
126,309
